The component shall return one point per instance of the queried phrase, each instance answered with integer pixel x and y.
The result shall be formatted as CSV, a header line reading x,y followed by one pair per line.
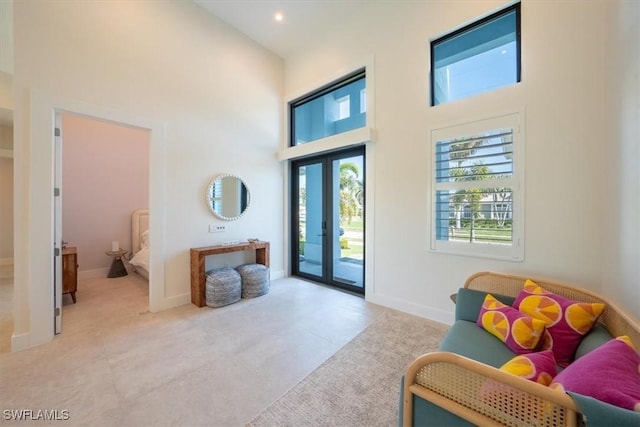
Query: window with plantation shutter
x,y
477,189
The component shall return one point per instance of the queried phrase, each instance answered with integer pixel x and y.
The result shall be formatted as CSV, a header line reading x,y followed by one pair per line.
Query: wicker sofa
x,y
442,388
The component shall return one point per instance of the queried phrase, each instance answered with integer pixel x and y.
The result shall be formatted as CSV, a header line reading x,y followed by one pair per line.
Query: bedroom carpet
x,y
359,385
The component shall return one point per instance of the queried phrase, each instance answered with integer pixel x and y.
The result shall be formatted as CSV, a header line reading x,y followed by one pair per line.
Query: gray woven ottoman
x,y
223,287
255,280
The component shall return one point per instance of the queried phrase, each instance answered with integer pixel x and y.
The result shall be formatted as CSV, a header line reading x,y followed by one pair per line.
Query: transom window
x,y
479,57
336,108
478,190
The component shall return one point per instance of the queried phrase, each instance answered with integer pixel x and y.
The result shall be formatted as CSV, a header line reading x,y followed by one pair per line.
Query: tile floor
x,y
117,364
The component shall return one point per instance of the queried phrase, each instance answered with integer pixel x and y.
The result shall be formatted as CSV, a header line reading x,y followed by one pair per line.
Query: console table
x,y
198,255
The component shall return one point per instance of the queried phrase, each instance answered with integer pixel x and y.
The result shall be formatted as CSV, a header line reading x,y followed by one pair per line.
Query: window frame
x,y
360,73
514,251
475,24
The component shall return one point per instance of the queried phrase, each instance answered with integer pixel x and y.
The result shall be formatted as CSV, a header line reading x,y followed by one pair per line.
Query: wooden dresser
x,y
70,271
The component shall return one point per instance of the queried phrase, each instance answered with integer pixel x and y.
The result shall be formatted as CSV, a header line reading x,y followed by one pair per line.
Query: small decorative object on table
x,y
252,239
117,266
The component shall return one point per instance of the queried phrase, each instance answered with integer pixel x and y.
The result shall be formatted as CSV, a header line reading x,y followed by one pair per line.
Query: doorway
x,y
328,221
102,173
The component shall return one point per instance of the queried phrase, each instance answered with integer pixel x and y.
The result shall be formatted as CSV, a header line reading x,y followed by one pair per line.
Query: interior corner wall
x,y
6,210
105,177
561,95
215,94
6,195
622,226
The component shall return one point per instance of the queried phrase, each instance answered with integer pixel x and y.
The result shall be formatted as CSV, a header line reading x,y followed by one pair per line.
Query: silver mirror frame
x,y
209,196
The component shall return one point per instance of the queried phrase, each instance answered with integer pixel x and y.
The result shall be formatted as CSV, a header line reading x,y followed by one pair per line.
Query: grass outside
x,y
491,235
354,233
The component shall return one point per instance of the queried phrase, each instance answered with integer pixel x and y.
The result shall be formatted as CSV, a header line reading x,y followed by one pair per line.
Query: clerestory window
x,y
479,57
336,108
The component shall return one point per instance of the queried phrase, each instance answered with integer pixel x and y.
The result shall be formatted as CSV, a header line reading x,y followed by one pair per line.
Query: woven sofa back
x,y
614,319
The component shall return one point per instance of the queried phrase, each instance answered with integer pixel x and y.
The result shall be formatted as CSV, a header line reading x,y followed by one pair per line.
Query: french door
x,y
327,226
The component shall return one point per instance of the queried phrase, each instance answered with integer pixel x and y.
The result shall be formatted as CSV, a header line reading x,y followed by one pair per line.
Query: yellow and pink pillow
x,y
518,331
610,373
538,367
566,321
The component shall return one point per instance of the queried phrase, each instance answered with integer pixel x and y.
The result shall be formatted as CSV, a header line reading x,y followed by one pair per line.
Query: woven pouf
x,y
223,287
255,280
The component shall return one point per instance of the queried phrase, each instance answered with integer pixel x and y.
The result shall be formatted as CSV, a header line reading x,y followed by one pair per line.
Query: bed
x,y
140,242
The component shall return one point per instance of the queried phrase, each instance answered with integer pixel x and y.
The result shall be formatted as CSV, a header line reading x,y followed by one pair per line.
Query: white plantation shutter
x,y
477,189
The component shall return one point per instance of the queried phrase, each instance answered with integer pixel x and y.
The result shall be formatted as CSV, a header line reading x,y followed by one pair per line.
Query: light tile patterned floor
x,y
117,364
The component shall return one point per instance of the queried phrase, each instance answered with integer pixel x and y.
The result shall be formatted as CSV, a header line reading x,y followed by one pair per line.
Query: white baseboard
x,y
6,261
92,274
430,313
171,302
19,342
275,275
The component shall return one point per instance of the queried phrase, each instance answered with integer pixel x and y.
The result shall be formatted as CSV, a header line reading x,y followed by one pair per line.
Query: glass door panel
x,y
311,222
348,221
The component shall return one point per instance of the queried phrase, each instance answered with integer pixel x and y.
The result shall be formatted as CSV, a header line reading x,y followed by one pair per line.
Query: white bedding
x,y
140,242
141,259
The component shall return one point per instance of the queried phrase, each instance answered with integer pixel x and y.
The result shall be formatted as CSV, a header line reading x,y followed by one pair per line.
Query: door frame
x,y
33,234
326,159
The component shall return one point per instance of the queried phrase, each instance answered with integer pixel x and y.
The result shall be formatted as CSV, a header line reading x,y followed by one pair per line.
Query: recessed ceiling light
x,y
278,16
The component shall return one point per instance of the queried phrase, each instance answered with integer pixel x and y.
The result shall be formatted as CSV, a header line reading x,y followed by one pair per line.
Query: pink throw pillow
x,y
519,332
610,373
538,367
566,321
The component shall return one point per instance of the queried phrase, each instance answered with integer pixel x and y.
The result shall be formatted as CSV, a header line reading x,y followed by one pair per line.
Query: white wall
x,y
564,78
105,177
6,193
622,198
6,36
212,98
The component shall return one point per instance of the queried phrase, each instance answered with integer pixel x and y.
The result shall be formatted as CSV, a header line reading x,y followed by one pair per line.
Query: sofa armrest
x,y
483,394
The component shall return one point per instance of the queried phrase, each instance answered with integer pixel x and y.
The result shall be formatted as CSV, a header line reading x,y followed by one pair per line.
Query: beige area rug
x,y
360,384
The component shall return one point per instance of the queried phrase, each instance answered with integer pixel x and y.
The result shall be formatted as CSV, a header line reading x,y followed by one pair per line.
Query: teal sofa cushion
x,y
601,414
594,339
469,302
467,339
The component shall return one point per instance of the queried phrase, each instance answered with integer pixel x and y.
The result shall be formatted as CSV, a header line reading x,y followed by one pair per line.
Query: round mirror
x,y
228,197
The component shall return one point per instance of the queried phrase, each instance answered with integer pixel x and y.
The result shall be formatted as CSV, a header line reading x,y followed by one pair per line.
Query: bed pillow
x,y
567,321
144,239
538,367
519,332
610,373
141,259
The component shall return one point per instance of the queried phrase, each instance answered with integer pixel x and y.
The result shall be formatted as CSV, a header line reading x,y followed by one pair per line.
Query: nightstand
x,y
70,271
117,266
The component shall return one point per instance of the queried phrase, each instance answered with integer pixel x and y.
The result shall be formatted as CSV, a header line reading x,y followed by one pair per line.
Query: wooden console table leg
x,y
198,279
262,256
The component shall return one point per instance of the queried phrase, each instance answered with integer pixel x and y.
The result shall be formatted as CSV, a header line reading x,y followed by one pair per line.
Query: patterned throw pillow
x,y
567,321
538,367
519,332
610,373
